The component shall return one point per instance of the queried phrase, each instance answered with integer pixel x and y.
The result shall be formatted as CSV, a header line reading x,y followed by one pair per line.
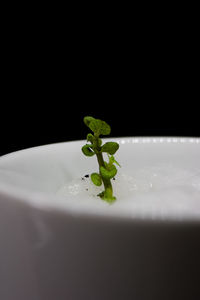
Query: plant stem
x,y
108,193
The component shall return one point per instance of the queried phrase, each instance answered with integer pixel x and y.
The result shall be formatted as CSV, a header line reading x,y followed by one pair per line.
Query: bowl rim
x,y
123,139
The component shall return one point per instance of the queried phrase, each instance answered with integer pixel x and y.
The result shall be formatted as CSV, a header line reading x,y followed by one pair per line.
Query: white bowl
x,y
62,245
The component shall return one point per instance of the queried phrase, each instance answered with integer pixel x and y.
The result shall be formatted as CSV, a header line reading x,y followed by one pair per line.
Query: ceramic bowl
x,y
75,246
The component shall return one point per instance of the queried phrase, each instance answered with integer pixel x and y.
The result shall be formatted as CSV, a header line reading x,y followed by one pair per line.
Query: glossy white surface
x,y
159,178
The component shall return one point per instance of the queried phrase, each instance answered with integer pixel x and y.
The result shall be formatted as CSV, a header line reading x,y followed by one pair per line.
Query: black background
x,y
142,78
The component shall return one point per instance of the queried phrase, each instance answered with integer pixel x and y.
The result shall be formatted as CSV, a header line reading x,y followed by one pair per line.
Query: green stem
x,y
108,193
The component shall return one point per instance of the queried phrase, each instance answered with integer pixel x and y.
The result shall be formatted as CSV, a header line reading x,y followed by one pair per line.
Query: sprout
x,y
107,170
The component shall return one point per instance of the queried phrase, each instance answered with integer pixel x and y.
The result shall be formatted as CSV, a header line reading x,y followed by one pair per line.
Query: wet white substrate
x,y
163,191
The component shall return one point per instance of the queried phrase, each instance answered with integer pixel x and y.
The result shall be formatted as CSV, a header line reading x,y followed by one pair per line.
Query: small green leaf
x,y
116,162
99,127
110,147
105,128
90,137
87,120
108,173
95,126
96,179
87,150
112,160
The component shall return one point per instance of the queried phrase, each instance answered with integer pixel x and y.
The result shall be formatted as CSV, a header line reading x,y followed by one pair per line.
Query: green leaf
x,y
90,137
99,127
108,173
105,128
116,162
112,160
87,150
87,120
95,126
110,147
96,179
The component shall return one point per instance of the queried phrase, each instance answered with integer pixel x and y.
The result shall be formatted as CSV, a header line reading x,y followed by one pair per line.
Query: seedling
x,y
107,170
